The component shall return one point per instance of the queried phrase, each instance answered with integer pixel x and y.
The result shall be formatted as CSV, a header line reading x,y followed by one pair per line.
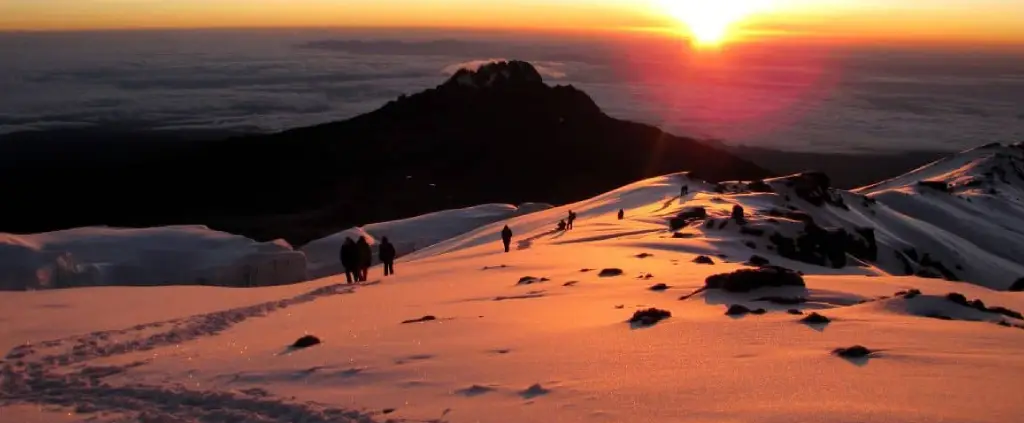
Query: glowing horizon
x,y
952,21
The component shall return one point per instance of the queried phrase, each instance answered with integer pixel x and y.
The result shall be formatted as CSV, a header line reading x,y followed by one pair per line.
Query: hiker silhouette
x,y
349,260
387,256
506,237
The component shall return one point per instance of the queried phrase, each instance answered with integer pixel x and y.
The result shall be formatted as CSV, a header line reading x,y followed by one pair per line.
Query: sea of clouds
x,y
810,98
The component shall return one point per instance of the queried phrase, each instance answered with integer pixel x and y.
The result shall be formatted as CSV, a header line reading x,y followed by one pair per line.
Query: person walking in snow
x,y
349,259
365,258
622,214
684,191
506,237
572,218
387,256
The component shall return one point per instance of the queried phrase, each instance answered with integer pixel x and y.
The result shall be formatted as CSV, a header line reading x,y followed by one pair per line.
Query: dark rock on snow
x,y
306,342
856,351
740,309
607,273
746,280
685,217
703,260
659,287
528,280
816,319
649,316
795,312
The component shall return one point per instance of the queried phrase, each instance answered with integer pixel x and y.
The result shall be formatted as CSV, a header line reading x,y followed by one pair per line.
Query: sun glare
x,y
711,22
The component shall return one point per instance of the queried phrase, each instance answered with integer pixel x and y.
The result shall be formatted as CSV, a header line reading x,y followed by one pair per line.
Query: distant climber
x,y
349,259
387,256
622,214
365,258
684,191
562,225
506,237
572,218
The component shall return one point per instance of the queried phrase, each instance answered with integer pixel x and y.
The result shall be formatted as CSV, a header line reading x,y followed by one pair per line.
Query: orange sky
x,y
970,21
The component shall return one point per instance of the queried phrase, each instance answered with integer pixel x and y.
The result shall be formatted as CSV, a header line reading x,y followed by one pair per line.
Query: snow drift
x,y
173,255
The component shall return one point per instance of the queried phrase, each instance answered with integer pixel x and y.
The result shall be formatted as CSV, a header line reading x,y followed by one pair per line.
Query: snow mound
x,y
173,255
412,234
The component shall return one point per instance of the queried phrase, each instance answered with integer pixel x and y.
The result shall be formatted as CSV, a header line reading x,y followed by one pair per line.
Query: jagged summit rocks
x,y
497,74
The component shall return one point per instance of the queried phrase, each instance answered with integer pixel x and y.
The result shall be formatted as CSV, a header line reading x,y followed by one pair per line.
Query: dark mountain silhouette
x,y
498,134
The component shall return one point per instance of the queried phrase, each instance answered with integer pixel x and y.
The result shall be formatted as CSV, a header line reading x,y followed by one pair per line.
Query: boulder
x,y
746,280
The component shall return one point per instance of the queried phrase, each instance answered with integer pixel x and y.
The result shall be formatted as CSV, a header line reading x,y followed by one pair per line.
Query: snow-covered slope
x,y
179,255
409,235
468,333
971,232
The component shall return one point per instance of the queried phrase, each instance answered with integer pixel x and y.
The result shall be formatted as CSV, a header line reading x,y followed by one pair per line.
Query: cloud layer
x,y
809,99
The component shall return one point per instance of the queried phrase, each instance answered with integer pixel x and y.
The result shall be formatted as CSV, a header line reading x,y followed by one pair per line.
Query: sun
x,y
710,22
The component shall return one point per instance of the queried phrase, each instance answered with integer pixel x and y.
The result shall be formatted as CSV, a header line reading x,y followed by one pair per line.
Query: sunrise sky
x,y
995,21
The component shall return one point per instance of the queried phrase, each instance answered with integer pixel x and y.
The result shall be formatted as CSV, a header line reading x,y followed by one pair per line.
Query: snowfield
x,y
99,256
468,333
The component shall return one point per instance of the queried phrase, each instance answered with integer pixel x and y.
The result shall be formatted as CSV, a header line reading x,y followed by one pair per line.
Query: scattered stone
x,y
586,270
659,287
620,307
683,235
388,411
909,294
746,280
645,276
816,319
427,318
783,300
610,272
644,255
740,309
794,311
704,260
751,245
529,280
306,342
856,351
649,316
685,217
571,283
960,299
534,391
757,261
494,267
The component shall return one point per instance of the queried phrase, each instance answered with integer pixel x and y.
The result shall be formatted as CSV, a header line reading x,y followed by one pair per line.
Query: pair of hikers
x,y
566,224
356,258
